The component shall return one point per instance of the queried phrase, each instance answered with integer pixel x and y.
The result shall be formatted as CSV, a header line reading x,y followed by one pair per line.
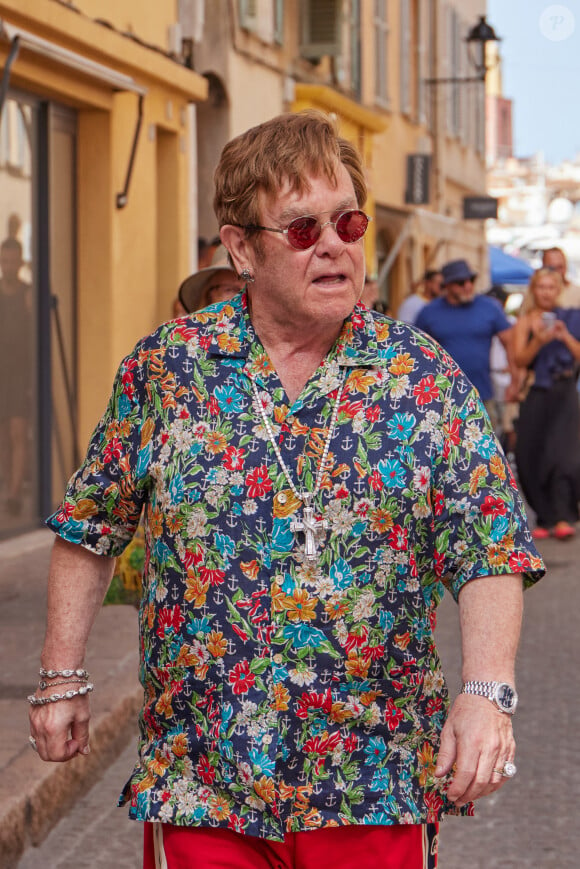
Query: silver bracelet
x,y
44,685
55,698
53,674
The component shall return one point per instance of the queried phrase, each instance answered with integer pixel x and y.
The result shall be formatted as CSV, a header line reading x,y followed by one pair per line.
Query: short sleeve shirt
x,y
283,693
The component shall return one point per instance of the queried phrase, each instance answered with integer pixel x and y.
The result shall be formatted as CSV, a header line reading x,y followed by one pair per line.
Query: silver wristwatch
x,y
501,694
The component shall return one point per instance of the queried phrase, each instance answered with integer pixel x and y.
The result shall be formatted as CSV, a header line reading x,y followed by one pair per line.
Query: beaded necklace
x,y
311,525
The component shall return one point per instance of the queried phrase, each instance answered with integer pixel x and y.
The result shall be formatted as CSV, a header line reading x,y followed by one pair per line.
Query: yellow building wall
x,y
256,94
149,20
132,259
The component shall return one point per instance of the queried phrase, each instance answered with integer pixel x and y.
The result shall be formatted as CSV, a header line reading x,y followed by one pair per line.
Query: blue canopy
x,y
506,269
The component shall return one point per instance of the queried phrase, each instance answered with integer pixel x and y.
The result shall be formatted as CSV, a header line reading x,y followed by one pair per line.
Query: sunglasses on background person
x,y
303,232
462,282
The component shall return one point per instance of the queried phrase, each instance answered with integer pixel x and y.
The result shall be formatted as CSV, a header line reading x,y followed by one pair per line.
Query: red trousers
x,y
412,846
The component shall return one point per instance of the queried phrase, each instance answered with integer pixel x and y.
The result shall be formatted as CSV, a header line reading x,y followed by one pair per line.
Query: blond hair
x,y
529,302
288,148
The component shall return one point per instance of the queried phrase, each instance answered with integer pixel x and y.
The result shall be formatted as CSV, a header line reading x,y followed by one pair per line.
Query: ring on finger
x,y
508,770
32,742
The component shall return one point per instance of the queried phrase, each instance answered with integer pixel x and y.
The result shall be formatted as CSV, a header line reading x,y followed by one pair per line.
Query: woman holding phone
x,y
547,344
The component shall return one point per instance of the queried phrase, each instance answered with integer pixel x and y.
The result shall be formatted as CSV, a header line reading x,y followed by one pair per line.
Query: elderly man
x,y
313,475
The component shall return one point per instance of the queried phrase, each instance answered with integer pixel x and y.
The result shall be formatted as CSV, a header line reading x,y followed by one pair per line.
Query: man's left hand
x,y
476,741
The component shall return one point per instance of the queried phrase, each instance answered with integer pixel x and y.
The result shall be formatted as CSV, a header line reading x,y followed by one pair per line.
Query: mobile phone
x,y
549,318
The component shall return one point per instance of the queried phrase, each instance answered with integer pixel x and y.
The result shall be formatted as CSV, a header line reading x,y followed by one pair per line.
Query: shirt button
x,y
281,497
278,659
279,579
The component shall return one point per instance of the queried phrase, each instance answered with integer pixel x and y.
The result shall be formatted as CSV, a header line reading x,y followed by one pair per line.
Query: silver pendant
x,y
310,525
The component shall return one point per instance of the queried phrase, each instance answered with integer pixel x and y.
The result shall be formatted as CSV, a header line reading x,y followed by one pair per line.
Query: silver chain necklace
x,y
310,524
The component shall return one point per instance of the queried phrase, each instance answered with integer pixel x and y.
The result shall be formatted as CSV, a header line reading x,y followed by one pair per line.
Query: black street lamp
x,y
476,39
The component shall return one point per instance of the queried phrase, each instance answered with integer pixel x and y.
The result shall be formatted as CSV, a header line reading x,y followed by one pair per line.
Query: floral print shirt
x,y
283,693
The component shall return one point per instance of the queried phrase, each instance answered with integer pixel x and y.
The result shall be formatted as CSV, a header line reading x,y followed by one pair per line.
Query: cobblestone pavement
x,y
532,823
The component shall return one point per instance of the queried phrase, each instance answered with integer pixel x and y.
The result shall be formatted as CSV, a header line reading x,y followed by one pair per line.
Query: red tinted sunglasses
x,y
304,232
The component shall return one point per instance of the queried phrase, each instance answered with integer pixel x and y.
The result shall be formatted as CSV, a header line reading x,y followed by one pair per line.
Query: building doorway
x,y
37,308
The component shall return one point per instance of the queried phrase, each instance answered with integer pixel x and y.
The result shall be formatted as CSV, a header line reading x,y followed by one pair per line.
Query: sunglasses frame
x,y
321,225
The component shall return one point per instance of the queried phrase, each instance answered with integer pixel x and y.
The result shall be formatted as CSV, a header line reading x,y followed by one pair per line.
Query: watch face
x,y
506,697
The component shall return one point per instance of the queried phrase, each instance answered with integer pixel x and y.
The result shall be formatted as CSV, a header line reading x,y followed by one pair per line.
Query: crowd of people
x,y
526,371
311,476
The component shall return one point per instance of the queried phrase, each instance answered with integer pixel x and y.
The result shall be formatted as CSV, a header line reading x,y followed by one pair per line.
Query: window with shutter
x,y
420,13
263,18
320,28
453,56
381,28
279,21
429,31
405,59
355,48
248,12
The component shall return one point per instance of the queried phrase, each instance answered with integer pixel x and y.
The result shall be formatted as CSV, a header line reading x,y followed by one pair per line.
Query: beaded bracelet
x,y
56,698
53,674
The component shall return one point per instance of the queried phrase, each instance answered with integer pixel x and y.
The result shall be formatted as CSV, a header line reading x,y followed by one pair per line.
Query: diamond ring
x,y
508,770
32,742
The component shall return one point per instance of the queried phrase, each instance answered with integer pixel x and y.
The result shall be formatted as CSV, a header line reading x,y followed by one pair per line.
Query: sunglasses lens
x,y
351,226
303,232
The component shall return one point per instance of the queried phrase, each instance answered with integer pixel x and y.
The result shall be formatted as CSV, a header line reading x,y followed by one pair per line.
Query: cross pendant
x,y
311,525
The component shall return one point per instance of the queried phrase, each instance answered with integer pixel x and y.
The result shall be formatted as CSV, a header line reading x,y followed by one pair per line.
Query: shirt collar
x,y
230,335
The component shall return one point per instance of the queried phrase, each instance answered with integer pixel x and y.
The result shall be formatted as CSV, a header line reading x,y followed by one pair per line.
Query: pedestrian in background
x,y
547,345
555,259
206,250
506,412
217,282
424,291
464,324
371,297
312,475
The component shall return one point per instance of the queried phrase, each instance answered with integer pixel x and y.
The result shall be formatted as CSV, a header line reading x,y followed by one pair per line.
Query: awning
x,y
70,59
507,269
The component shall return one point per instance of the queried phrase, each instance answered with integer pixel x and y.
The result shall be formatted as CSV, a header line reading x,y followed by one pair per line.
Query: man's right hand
x,y
61,729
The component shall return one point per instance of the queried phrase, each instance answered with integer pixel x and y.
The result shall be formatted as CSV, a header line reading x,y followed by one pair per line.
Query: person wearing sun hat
x,y
464,323
216,283
457,270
